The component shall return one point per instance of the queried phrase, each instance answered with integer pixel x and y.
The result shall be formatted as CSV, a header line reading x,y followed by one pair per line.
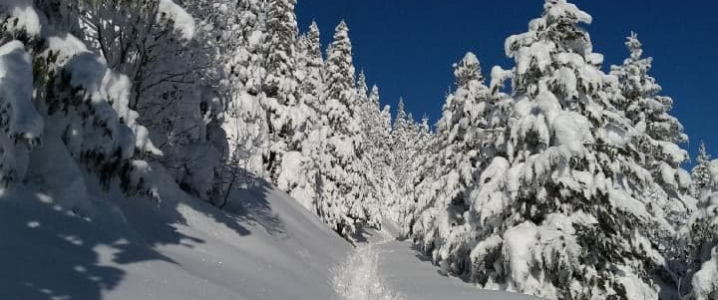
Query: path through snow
x,y
359,279
387,269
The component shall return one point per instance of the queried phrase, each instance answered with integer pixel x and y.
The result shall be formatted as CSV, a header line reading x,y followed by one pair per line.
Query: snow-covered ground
x,y
179,248
268,247
403,269
384,268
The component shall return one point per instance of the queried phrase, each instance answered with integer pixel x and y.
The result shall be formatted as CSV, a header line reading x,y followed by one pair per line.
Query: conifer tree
x,y
245,121
702,181
285,115
657,132
56,89
656,135
558,216
342,203
401,139
300,167
461,131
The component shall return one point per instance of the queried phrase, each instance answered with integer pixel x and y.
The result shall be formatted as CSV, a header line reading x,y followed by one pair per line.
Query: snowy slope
x,y
63,238
179,248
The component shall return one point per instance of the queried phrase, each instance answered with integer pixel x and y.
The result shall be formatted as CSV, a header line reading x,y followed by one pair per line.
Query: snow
x,y
182,21
413,275
180,248
16,92
537,55
518,244
265,247
498,77
560,9
573,131
27,19
704,281
359,278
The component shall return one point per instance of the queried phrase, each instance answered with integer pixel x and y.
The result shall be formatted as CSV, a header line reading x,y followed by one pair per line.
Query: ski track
x,y
359,279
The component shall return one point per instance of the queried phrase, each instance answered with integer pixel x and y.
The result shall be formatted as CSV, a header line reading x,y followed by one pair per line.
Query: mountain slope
x,y
178,248
63,237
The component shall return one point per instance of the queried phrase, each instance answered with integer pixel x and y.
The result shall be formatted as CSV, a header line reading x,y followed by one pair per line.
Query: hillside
x,y
178,248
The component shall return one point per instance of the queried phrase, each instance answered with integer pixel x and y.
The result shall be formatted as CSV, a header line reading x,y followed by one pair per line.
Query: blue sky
x,y
407,47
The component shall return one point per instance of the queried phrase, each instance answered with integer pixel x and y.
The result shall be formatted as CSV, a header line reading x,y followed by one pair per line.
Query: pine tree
x,y
657,132
342,201
285,114
701,251
702,181
300,168
401,139
558,216
245,120
461,131
700,235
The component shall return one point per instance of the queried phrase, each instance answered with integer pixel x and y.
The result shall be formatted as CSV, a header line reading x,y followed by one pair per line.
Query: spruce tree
x,y
656,135
300,167
401,139
461,131
558,216
245,120
657,132
341,202
285,117
702,181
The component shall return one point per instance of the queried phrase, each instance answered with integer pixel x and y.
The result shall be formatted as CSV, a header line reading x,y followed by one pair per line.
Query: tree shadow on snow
x,y
49,252
250,206
420,254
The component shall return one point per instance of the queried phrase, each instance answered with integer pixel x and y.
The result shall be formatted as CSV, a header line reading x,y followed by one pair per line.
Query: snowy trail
x,y
359,279
387,269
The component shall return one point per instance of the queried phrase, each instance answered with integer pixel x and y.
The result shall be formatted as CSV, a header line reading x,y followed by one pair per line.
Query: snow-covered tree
x,y
142,39
245,120
700,235
559,216
286,115
702,180
657,133
341,183
701,248
376,128
369,157
58,90
460,134
401,140
300,168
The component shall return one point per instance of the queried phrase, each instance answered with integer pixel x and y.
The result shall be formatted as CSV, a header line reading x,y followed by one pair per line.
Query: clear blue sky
x,y
407,47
